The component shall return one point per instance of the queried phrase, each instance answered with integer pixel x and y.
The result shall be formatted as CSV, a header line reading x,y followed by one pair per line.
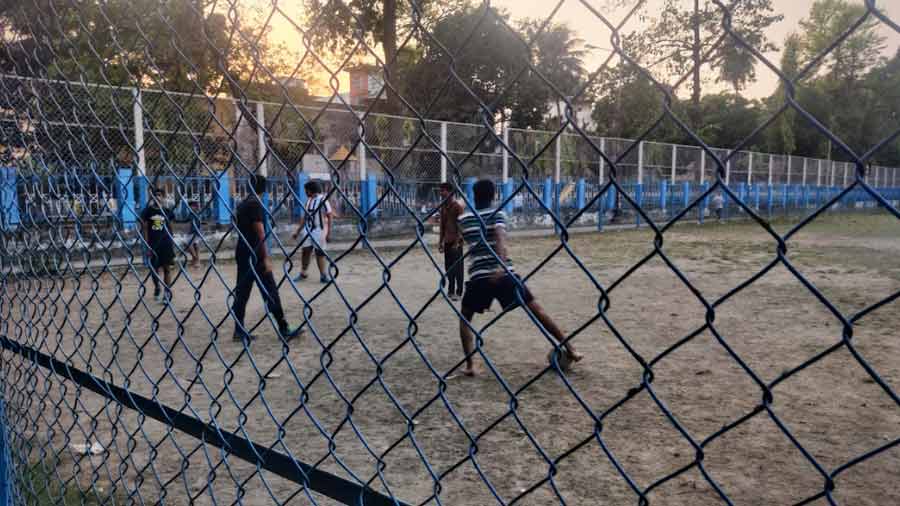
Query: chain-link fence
x,y
749,364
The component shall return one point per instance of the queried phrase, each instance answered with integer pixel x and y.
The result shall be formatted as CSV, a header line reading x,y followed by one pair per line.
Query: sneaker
x,y
454,298
300,277
324,278
158,298
242,337
289,333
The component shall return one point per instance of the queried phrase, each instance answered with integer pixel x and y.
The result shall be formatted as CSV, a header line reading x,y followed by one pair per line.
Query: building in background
x,y
556,111
366,83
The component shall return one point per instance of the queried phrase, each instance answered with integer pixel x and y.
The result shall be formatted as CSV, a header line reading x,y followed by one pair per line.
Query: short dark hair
x,y
447,186
312,187
259,184
484,191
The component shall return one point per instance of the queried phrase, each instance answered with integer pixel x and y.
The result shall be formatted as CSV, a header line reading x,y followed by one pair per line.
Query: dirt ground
x,y
517,424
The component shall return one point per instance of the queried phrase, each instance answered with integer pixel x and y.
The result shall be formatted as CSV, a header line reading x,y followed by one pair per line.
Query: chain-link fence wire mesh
x,y
196,136
112,399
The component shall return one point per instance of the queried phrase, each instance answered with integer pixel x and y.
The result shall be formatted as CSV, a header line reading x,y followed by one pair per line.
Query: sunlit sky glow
x,y
595,34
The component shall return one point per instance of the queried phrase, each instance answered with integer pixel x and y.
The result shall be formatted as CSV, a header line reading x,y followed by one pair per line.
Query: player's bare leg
x,y
468,341
305,257
195,254
323,269
554,330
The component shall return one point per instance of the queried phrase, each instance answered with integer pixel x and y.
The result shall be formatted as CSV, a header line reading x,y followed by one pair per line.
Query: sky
x,y
594,32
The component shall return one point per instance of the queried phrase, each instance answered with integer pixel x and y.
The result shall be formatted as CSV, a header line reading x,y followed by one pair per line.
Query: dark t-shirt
x,y
249,212
157,220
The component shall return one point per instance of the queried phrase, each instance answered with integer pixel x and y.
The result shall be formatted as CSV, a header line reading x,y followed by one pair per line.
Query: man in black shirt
x,y
155,222
254,266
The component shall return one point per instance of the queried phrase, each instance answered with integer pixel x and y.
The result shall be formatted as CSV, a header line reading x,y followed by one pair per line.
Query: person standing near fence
x,y
488,279
254,265
316,224
450,242
155,221
718,205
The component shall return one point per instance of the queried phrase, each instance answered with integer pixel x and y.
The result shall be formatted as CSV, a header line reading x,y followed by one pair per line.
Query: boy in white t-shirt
x,y
316,225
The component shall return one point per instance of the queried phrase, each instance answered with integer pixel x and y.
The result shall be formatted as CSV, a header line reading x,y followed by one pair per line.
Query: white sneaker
x,y
158,298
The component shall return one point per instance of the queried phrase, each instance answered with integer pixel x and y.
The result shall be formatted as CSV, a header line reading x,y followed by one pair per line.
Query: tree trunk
x,y
389,44
695,91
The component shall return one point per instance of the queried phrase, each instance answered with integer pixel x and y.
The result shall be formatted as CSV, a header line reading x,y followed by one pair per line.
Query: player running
x,y
487,278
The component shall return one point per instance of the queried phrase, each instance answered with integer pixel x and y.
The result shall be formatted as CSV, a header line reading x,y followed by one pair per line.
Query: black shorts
x,y
162,257
480,293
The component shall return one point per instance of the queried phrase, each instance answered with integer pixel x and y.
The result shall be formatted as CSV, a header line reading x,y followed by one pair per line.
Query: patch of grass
x,y
39,485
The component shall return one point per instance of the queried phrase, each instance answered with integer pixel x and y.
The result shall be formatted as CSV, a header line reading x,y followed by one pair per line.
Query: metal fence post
x,y
547,194
138,119
300,194
756,196
803,181
788,181
639,199
469,190
702,166
704,201
223,198
261,149
124,192
728,171
771,167
640,163
686,195
602,161
750,169
663,191
9,199
557,167
361,153
819,172
674,161
579,194
846,167
504,151
506,192
444,153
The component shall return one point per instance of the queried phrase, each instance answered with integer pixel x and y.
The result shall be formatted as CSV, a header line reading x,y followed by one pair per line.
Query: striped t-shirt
x,y
317,208
482,262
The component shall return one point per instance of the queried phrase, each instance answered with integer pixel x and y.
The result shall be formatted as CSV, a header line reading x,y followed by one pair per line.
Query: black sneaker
x,y
289,333
242,336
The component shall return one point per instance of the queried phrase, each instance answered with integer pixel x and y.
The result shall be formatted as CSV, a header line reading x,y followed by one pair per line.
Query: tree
x,y
681,38
785,140
338,26
839,77
493,63
627,103
559,57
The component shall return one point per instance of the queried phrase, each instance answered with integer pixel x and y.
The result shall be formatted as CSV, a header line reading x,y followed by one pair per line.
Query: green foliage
x,y
684,38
